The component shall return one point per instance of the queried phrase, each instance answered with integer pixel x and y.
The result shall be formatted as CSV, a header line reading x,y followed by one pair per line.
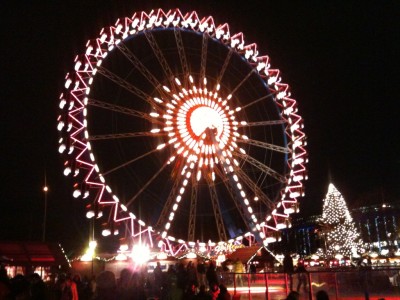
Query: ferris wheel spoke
x,y
160,57
182,54
139,66
265,145
193,208
167,208
144,187
254,187
129,162
232,190
267,170
224,66
243,81
262,123
175,197
121,109
113,136
203,63
217,210
126,85
270,95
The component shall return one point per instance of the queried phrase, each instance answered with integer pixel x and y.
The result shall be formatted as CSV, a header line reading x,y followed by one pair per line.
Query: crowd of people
x,y
188,282
32,287
179,282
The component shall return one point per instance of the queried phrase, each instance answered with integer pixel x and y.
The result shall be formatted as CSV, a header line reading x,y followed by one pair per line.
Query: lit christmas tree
x,y
341,235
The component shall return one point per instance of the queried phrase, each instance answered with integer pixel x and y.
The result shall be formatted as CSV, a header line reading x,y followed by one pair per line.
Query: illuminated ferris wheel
x,y
177,133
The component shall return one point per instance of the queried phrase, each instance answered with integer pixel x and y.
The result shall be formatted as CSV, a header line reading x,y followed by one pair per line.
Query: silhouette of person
x,y
106,286
302,276
211,275
239,269
158,279
253,271
288,269
293,296
322,295
202,294
223,293
201,272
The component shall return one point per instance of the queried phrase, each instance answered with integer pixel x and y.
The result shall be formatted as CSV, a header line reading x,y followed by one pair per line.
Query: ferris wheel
x,y
179,134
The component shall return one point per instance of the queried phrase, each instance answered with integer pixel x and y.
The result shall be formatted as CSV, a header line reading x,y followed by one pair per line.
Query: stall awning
x,y
32,253
244,254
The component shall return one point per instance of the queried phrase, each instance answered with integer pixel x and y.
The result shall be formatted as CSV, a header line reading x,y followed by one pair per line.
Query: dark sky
x,y
340,59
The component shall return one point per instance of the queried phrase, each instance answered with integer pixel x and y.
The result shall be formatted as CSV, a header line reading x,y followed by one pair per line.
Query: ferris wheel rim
x,y
147,22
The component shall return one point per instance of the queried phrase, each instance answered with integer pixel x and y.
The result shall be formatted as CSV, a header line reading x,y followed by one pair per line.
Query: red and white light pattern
x,y
198,122
180,113
202,128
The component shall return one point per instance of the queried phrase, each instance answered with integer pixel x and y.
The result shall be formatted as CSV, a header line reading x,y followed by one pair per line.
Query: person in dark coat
x,y
302,277
223,293
106,286
288,268
211,275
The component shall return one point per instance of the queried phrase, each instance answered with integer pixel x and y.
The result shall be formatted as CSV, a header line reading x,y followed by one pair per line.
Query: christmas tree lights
x,y
341,235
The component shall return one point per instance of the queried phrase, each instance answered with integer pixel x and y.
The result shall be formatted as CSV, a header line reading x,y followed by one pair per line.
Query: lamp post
x,y
92,249
45,190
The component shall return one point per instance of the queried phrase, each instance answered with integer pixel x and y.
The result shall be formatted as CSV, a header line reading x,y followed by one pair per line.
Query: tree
x,y
341,235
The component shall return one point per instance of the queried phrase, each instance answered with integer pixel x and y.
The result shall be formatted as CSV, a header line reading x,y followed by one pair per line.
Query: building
x,y
379,226
302,237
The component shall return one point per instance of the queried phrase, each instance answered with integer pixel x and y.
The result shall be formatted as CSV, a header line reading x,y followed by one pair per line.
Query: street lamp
x,y
45,190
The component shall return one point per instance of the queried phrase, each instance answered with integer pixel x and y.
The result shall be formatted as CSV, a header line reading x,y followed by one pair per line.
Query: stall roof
x,y
32,253
244,254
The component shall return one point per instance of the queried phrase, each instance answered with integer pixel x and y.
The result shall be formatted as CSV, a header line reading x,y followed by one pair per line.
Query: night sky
x,y
340,60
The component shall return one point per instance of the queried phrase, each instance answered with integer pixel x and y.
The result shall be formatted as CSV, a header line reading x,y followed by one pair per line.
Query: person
x,y
69,291
191,273
92,284
106,286
201,273
190,292
301,276
20,287
223,293
174,290
288,269
322,295
37,287
87,288
211,275
202,294
182,276
124,287
253,271
214,291
138,288
238,269
158,279
293,295
5,285
79,286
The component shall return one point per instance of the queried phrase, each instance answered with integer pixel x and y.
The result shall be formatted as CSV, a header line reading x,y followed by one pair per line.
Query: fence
x,y
382,283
